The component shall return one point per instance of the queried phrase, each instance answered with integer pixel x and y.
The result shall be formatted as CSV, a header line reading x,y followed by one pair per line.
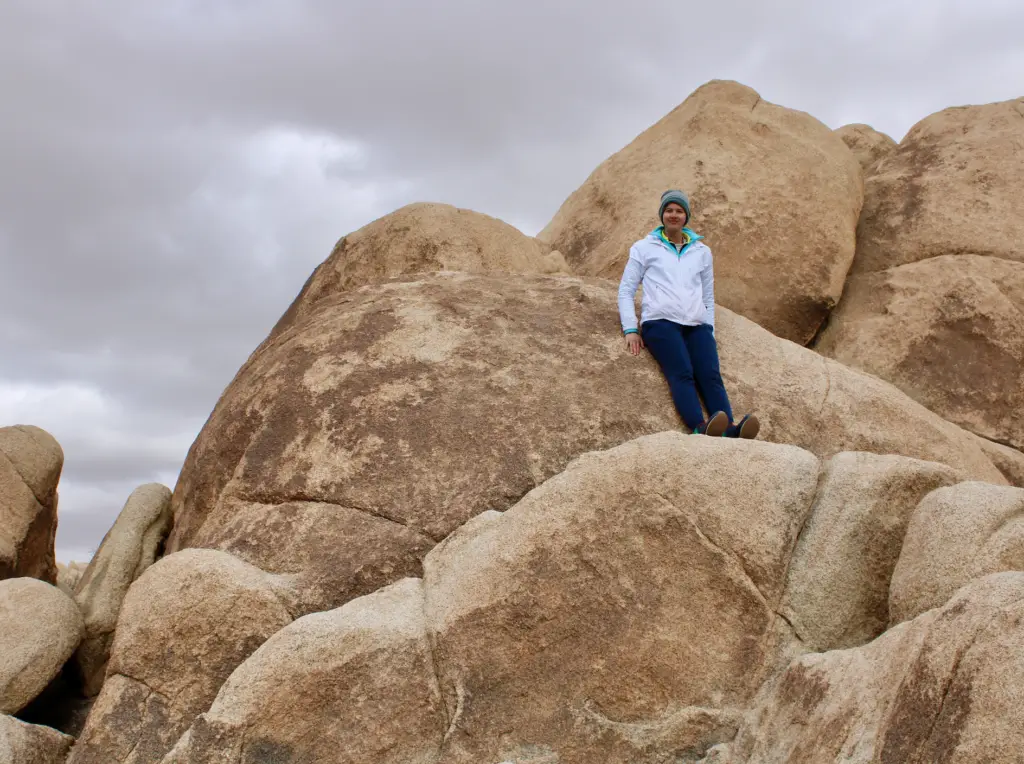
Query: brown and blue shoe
x,y
748,427
715,425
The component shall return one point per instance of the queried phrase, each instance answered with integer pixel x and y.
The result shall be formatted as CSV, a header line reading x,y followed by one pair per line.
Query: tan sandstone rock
x,y
615,614
366,678
22,743
355,439
837,593
955,535
131,546
955,184
426,237
867,144
945,687
948,332
185,625
775,191
40,627
30,466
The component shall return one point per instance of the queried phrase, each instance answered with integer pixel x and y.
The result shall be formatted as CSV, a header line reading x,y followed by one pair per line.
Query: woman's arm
x,y
628,285
707,282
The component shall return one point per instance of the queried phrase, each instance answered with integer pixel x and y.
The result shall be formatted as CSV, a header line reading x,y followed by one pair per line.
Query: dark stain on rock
x,y
264,751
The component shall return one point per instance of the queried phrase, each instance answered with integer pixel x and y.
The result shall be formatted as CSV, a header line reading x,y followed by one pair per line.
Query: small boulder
x,y
185,625
129,547
40,627
30,466
956,535
22,743
867,144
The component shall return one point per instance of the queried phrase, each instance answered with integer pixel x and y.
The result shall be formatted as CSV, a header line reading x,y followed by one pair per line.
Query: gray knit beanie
x,y
673,196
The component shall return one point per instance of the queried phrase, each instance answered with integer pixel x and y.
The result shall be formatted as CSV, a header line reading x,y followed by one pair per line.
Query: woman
x,y
678,319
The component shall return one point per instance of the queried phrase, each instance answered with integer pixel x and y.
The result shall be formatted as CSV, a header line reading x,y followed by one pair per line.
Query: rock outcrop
x,y
552,601
22,743
30,466
867,144
956,535
131,546
935,300
775,191
186,624
946,331
944,687
837,595
40,627
353,441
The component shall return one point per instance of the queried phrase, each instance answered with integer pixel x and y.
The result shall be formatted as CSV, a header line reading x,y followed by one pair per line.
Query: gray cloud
x,y
172,172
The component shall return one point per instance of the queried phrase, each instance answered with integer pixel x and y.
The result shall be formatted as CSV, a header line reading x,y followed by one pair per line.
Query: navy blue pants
x,y
688,357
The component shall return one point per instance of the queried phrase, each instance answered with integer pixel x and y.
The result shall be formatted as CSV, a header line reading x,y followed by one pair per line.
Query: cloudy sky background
x,y
171,172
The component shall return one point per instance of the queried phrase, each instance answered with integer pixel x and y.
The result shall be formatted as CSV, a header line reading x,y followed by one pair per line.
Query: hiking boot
x,y
747,427
714,426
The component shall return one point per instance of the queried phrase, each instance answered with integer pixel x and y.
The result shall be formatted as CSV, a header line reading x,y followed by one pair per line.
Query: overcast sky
x,y
172,171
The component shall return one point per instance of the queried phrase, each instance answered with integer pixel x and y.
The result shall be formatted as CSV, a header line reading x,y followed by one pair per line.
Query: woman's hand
x,y
634,344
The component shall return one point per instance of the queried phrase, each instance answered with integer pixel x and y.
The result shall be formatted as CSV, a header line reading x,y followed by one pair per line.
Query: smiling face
x,y
674,217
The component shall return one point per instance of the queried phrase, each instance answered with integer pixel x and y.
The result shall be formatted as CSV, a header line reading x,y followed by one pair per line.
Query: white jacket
x,y
677,286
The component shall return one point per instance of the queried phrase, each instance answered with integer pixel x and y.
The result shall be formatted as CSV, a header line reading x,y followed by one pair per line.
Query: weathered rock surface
x,y
592,598
636,613
352,441
837,594
425,237
947,331
30,466
185,625
867,144
945,687
954,185
1007,460
40,627
129,547
365,674
22,743
775,191
955,535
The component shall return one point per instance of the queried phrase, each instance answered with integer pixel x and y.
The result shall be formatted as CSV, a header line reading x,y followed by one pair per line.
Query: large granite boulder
x,y
185,625
129,547
775,192
948,331
30,466
355,439
954,185
615,614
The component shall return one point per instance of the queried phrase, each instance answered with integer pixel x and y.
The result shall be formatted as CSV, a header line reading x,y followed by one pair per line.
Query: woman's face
x,y
675,216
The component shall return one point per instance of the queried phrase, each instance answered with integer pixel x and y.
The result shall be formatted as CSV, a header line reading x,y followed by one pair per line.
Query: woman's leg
x,y
703,353
665,341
